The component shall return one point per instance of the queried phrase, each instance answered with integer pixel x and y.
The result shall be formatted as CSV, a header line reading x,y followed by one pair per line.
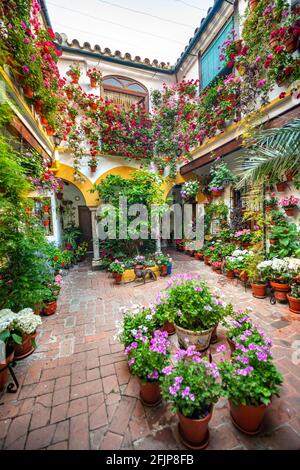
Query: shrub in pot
x,y
277,270
257,279
294,298
25,325
249,382
146,359
162,261
195,310
50,300
190,386
117,268
136,318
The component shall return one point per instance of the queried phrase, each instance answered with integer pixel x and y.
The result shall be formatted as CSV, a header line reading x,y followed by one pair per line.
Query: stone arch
x,y
123,171
66,172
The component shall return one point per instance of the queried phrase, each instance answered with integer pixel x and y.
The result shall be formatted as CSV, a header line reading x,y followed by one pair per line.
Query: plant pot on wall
x,y
281,186
93,82
290,211
194,433
290,43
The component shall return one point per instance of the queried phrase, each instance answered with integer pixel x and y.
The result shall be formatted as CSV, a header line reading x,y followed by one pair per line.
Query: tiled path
x,y
76,392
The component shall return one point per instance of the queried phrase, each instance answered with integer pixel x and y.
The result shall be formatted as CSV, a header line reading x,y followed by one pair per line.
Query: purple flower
x,y
186,392
208,308
221,348
153,376
262,356
25,68
134,345
173,390
132,360
179,313
27,41
167,370
245,372
178,380
198,289
23,25
192,397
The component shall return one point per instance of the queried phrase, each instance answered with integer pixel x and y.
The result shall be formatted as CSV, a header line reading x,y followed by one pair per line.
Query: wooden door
x,y
85,223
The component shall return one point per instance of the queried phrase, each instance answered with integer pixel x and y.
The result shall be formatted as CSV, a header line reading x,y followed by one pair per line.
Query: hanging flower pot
x,y
200,339
290,211
44,121
93,168
247,418
93,105
74,78
150,393
217,193
46,208
194,433
259,290
280,291
50,308
50,131
38,106
289,176
93,82
294,304
253,4
290,42
3,367
230,274
46,222
281,186
26,348
28,91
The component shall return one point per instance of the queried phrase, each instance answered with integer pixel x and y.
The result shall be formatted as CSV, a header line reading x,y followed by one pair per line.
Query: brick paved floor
x,y
76,392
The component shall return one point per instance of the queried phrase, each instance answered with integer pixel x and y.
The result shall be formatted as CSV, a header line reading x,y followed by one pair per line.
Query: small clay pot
x,y
50,308
230,274
294,304
247,418
150,393
194,433
290,211
259,291
26,348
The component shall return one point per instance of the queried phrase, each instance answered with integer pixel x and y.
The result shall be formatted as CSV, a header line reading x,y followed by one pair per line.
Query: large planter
x,y
259,291
194,433
247,418
294,304
290,211
3,368
50,308
280,291
281,186
230,274
150,393
26,348
200,339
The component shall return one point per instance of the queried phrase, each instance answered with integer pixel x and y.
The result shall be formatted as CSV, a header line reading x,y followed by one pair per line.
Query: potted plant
x,y
294,298
277,270
198,254
162,261
249,381
95,76
257,280
244,237
163,316
146,358
189,190
271,203
194,310
289,204
50,300
74,72
137,318
217,266
230,266
221,177
191,387
25,325
8,339
117,268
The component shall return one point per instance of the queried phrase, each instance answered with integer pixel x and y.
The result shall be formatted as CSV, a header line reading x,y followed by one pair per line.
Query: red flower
x,y
282,95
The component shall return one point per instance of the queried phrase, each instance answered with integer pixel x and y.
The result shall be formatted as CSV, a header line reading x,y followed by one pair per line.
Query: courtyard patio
x,y
76,392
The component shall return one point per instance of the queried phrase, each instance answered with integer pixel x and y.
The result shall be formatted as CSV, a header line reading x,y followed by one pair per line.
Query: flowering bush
x,y
191,384
238,259
289,201
192,305
148,355
244,235
189,189
136,318
242,331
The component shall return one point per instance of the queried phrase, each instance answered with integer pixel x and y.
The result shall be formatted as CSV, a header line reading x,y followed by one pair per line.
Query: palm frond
x,y
272,153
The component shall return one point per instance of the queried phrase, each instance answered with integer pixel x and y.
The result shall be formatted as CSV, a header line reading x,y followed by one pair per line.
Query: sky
x,y
114,24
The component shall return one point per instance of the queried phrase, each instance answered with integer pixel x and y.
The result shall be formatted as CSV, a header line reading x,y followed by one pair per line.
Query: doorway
x,y
85,224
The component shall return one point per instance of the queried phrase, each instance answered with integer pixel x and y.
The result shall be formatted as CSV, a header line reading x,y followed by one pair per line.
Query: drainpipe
x,y
45,12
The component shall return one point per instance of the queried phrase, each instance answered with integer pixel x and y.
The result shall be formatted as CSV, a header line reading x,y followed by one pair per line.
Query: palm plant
x,y
272,153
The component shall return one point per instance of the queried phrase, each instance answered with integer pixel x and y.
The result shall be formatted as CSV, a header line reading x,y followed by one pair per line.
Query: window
x,y
210,63
42,211
125,92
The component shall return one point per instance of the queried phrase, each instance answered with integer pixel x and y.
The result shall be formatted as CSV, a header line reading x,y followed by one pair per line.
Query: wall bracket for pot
x,y
12,387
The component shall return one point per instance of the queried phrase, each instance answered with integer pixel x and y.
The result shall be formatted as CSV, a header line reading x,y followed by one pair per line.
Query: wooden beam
x,y
235,144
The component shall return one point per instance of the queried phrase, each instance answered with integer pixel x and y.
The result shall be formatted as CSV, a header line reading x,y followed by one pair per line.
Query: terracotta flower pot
x,y
217,193
230,274
117,278
93,82
26,348
44,121
272,241
74,78
164,270
93,168
294,304
50,308
280,291
50,131
244,277
290,43
206,259
38,106
290,211
247,418
194,433
150,393
198,256
28,91
3,368
200,339
281,186
169,328
46,222
259,290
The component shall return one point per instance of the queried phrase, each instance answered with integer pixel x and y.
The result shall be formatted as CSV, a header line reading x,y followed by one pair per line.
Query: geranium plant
x,y
147,356
95,75
134,319
190,385
288,202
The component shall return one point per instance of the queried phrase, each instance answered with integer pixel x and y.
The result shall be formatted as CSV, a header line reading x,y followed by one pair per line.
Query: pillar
x,y
96,254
